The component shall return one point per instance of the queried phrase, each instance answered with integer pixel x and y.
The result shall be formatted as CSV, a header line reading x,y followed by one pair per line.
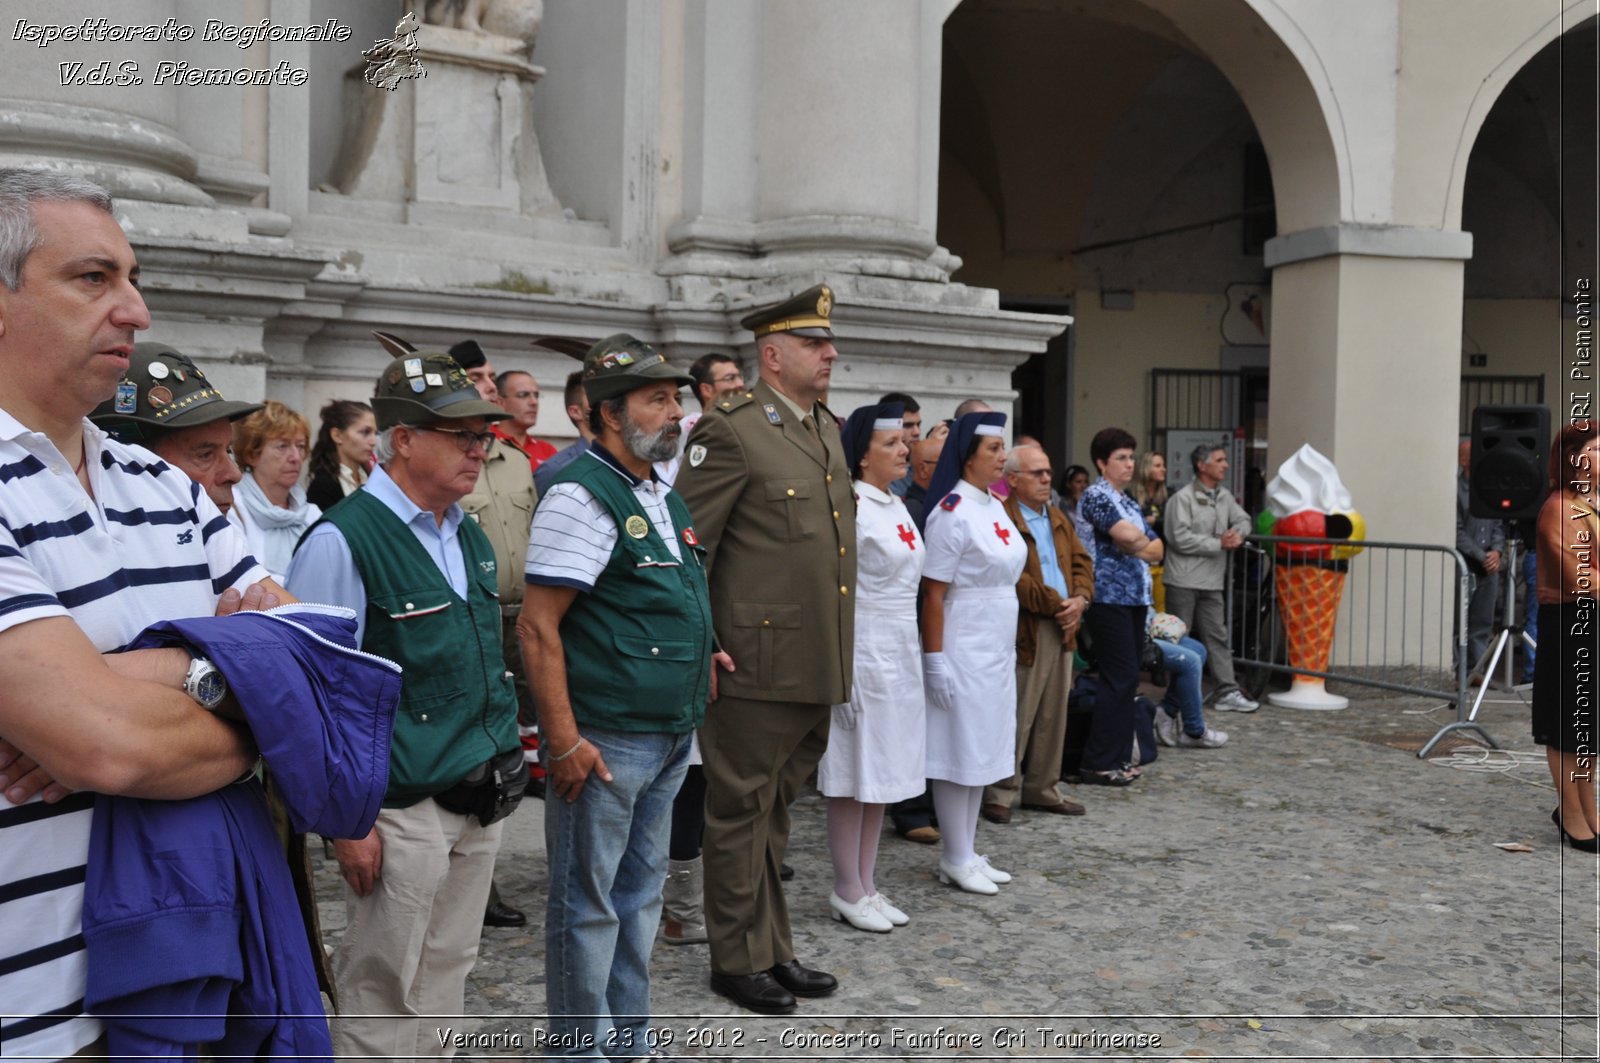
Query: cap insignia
x,y
158,395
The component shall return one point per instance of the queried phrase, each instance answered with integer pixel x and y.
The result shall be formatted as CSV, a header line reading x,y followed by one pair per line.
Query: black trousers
x,y
1118,633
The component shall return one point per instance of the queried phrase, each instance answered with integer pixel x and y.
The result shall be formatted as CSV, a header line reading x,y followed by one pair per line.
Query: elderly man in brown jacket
x,y
1054,590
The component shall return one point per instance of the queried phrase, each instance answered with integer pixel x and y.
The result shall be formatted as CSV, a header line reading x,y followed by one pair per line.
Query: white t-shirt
x,y
149,546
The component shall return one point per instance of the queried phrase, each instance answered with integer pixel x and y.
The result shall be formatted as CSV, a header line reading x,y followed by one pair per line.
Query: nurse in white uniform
x,y
969,633
875,746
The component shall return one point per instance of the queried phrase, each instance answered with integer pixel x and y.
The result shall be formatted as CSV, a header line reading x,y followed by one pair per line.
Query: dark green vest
x,y
457,708
638,645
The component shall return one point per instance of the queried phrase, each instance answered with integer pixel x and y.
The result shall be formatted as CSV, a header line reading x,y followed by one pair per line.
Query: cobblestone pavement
x,y
1304,892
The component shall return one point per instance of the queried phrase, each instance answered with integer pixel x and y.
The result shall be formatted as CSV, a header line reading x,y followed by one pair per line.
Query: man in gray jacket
x,y
1203,522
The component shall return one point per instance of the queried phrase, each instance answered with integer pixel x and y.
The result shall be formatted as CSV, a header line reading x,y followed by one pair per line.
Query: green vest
x,y
638,644
457,708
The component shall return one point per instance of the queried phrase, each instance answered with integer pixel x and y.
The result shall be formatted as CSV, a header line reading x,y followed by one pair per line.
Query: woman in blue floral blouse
x,y
1124,547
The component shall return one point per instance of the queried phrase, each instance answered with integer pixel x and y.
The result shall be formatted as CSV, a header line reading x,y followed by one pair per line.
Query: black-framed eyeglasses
x,y
464,438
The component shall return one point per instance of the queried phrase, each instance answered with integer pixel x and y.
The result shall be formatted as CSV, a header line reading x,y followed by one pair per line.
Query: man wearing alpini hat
x,y
421,579
765,477
616,629
166,404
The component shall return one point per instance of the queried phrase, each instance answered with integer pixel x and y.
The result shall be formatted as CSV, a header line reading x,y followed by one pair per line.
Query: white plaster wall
x,y
579,106
1115,350
369,21
1351,54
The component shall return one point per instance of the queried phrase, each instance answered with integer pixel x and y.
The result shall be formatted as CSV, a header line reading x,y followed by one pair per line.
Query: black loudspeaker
x,y
1510,461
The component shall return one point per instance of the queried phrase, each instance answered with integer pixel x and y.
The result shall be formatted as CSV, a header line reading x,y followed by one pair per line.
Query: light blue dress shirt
x,y
1045,541
323,569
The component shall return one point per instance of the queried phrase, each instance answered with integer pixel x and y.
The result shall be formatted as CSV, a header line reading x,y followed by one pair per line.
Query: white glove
x,y
844,716
937,683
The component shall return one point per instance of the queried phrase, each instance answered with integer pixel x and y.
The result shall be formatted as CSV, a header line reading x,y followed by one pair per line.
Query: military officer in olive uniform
x,y
765,478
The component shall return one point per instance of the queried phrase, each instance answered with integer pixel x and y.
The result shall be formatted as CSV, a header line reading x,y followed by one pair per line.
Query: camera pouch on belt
x,y
491,791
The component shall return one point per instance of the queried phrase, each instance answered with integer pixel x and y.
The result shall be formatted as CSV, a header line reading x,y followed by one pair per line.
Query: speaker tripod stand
x,y
1501,649
1511,630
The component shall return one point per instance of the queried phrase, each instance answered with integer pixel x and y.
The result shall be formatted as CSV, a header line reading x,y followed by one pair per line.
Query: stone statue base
x,y
460,136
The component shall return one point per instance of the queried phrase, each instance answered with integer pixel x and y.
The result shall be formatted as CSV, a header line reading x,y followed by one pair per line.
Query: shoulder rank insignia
x,y
772,413
951,501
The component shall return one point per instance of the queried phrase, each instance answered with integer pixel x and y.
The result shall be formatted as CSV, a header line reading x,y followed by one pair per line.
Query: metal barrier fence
x,y
1398,613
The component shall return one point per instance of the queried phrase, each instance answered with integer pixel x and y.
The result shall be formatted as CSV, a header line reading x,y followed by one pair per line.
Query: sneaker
x,y
1166,728
1208,740
1236,701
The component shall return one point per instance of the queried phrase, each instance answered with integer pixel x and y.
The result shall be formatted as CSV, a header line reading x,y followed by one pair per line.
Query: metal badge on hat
x,y
127,397
413,367
158,395
157,371
419,385
824,303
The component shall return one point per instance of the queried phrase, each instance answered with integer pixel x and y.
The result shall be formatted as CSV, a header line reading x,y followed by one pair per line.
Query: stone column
x,y
828,156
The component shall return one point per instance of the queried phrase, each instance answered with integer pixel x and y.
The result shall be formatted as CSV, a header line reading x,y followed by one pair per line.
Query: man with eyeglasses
x,y
1056,585
422,580
188,424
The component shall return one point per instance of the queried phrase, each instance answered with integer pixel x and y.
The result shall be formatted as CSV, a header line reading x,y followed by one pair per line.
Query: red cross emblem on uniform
x,y
1005,535
907,536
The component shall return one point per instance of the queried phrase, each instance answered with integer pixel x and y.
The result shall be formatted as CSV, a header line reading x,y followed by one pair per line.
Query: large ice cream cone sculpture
x,y
1308,501
1308,605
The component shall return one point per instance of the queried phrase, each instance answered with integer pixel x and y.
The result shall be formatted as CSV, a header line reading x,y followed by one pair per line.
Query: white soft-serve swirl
x,y
1307,481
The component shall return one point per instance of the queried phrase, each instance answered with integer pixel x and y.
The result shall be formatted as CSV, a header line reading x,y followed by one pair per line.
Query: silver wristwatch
x,y
205,684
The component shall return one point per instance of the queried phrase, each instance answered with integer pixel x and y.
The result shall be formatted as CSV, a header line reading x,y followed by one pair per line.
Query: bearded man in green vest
x,y
422,581
616,633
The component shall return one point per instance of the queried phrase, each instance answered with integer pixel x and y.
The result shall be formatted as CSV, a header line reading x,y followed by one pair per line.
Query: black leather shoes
x,y
757,992
803,981
499,914
785,872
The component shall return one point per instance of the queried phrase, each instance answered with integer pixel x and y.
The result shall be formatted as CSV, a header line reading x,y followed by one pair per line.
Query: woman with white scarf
x,y
268,502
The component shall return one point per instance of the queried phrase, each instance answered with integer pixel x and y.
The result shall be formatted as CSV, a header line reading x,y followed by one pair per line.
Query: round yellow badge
x,y
636,526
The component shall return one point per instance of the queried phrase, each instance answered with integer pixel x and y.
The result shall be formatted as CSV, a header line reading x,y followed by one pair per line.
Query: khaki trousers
x,y
1041,723
410,942
757,756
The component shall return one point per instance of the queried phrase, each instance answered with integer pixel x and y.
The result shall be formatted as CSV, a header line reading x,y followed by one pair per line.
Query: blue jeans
x,y
608,860
1185,661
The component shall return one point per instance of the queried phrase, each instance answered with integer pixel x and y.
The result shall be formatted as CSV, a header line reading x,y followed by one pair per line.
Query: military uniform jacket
x,y
773,506
502,505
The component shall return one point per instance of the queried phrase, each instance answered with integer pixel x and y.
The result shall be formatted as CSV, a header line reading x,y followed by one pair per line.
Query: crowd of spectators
x,y
669,625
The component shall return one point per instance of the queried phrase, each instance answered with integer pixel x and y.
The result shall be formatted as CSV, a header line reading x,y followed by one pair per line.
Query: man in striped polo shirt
x,y
97,541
